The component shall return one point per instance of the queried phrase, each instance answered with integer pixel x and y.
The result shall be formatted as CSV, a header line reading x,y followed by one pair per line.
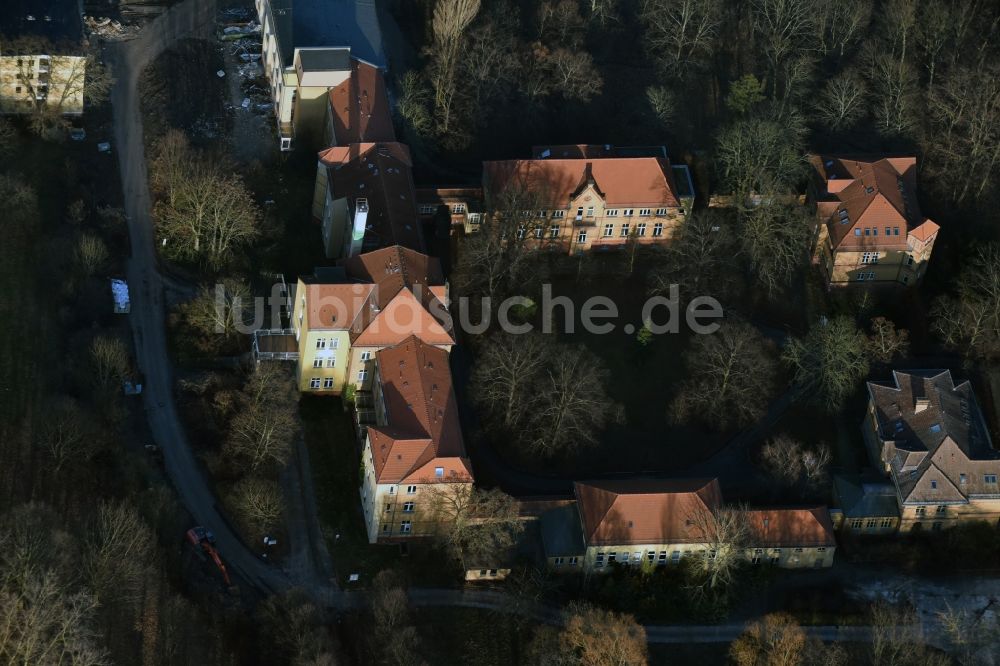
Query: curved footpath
x,y
196,18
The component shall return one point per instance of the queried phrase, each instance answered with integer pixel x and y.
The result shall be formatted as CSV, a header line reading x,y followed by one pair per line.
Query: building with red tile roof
x,y
660,522
871,229
594,196
342,317
414,451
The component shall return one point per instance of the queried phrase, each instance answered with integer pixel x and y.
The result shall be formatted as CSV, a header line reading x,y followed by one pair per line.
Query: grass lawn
x,y
335,461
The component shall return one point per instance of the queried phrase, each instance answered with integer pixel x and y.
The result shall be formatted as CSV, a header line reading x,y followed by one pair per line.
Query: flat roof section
x,y
334,23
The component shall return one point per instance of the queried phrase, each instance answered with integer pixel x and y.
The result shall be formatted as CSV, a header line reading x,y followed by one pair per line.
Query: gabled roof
x,y
645,511
359,107
934,438
636,181
865,498
422,435
379,173
790,527
870,193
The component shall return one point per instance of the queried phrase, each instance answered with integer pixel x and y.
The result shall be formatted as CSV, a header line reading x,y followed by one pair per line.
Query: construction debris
x,y
109,29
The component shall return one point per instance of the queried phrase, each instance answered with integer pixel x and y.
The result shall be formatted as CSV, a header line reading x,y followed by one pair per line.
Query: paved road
x,y
189,19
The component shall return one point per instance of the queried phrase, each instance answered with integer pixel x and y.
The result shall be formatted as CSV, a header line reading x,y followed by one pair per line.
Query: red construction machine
x,y
204,544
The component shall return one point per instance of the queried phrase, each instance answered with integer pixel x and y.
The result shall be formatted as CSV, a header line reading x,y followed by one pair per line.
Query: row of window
x,y
861,277
407,507
405,527
330,362
873,231
430,209
613,212
640,230
573,561
871,523
410,490
675,556
327,382
609,231
334,344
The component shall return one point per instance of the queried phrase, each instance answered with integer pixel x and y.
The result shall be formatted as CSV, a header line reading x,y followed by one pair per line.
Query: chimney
x,y
360,223
920,405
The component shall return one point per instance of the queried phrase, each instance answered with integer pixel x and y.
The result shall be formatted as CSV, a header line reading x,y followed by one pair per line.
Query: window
x,y
572,561
941,510
870,523
895,231
320,343
651,555
641,229
366,356
660,212
559,561
458,208
362,375
921,511
963,479
856,524
590,211
637,556
542,213
933,484
411,490
888,231
599,560
317,363
675,557
328,383
775,556
392,490
314,383
874,231
857,232
581,237
662,557
538,232
520,233
17,89
643,212
868,231
404,527
797,550
474,218
388,508
439,472
558,214
657,229
886,523
427,209
385,527
554,231
625,230
579,212
609,229
936,526
757,553
627,212
869,257
331,362
611,212
407,507
990,479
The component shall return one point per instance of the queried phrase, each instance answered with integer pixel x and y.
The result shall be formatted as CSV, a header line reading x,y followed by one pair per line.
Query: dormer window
x,y
439,472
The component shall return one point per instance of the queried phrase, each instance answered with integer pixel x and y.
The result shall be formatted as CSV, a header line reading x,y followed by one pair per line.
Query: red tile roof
x,y
645,511
870,194
360,107
636,181
381,174
790,527
423,434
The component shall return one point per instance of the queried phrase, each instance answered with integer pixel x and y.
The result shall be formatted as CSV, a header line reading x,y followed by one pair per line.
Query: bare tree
x,y
91,254
830,362
899,23
8,137
886,342
843,23
897,638
970,320
507,370
265,425
602,11
413,104
450,20
775,238
896,98
725,533
790,462
204,211
258,504
225,310
663,103
572,405
68,435
680,34
775,640
843,100
759,155
731,377
472,523
699,259
783,28
118,552
597,637
559,22
109,362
